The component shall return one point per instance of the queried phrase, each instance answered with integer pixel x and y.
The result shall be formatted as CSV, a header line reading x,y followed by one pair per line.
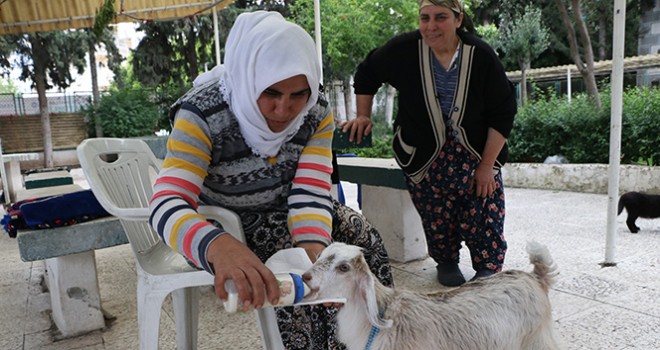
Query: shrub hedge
x,y
134,111
547,126
551,125
125,113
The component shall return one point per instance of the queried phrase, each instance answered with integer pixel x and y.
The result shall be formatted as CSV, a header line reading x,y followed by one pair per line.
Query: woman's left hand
x,y
483,182
313,249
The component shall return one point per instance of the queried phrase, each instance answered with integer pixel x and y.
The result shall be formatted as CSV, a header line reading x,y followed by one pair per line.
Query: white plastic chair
x,y
121,173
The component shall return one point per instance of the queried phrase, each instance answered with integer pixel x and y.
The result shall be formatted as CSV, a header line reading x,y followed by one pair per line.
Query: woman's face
x,y
438,26
281,102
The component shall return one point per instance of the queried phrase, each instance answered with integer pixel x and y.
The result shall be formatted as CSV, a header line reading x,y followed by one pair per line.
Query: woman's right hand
x,y
359,126
233,260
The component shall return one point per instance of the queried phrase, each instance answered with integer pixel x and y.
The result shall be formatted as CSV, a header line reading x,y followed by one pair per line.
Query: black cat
x,y
639,205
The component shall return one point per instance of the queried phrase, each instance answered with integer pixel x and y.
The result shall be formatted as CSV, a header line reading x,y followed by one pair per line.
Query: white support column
x,y
74,293
3,177
216,34
392,212
615,129
317,32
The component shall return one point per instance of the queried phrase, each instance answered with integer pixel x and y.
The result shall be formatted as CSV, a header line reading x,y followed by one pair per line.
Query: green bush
x,y
550,125
164,98
581,133
129,112
640,139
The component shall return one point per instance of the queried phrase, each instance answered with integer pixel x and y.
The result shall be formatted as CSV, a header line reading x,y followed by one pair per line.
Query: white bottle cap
x,y
231,304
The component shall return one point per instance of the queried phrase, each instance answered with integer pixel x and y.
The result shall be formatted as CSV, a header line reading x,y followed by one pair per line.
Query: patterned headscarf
x,y
262,49
454,5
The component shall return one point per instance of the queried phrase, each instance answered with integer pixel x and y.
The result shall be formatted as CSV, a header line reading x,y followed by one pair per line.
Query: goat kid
x,y
507,311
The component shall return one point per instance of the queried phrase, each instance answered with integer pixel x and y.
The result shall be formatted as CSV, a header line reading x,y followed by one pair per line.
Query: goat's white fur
x,y
507,311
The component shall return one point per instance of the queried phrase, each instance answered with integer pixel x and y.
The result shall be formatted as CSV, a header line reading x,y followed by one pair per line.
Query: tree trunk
x,y
191,54
588,52
98,128
38,54
602,34
340,109
348,99
585,69
389,104
523,84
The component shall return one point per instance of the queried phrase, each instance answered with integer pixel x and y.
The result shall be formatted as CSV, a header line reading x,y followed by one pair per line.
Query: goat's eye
x,y
343,267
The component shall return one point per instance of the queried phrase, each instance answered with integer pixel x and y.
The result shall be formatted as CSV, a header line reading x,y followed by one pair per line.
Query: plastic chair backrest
x,y
121,173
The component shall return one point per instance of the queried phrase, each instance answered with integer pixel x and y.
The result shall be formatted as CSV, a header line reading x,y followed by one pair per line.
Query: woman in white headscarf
x,y
255,137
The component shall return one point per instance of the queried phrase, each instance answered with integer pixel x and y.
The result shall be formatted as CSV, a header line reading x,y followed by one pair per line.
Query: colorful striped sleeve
x,y
310,202
176,191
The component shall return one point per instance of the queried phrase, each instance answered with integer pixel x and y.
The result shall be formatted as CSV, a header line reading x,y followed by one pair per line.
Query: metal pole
x,y
3,177
317,32
615,130
216,33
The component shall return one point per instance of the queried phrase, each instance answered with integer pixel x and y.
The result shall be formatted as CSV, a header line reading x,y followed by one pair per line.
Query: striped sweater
x,y
208,162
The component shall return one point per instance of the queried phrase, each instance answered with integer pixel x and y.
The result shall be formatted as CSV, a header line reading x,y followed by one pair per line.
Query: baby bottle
x,y
292,291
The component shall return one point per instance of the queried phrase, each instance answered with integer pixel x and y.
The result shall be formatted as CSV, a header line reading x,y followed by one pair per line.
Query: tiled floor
x,y
611,308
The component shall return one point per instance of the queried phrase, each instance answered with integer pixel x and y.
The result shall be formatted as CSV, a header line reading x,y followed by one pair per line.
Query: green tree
x,y
7,86
490,34
597,16
7,47
524,39
46,60
581,48
350,29
105,37
171,52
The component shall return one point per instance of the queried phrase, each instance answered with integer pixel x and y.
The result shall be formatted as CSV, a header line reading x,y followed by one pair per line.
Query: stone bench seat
x,y
42,244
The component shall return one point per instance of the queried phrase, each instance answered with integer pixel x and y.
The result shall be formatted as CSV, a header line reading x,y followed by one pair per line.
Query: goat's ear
x,y
367,286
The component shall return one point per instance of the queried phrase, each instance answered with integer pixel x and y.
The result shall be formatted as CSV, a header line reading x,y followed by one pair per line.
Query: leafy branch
x,y
104,16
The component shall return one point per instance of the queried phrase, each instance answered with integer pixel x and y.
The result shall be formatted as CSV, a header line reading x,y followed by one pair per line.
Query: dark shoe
x,y
483,273
450,275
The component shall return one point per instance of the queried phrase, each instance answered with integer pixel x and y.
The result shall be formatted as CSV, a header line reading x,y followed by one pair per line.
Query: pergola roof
x,y
600,67
21,16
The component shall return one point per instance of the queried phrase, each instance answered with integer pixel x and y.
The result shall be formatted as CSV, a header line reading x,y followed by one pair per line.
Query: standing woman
x,y
456,109
257,140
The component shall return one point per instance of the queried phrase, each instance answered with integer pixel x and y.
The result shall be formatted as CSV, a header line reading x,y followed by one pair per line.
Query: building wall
x,y
23,133
649,44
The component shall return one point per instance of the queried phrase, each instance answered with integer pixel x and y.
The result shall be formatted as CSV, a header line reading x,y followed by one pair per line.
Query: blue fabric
x,y
53,211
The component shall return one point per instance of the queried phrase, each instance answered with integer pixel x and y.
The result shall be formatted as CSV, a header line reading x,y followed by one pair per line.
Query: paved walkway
x,y
613,308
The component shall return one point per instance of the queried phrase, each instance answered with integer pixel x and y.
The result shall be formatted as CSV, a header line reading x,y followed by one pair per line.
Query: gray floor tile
x,y
610,327
594,307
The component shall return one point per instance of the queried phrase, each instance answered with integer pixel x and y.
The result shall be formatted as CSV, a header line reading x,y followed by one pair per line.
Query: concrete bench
x,y
68,253
48,179
12,180
387,205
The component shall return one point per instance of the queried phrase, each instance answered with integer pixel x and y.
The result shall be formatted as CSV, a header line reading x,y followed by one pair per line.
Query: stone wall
x,y
591,178
23,133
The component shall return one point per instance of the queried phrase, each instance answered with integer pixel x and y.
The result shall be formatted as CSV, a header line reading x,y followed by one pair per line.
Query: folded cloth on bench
x,y
52,211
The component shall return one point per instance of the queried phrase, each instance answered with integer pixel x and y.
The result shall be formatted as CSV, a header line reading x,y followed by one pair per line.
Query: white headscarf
x,y
263,49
